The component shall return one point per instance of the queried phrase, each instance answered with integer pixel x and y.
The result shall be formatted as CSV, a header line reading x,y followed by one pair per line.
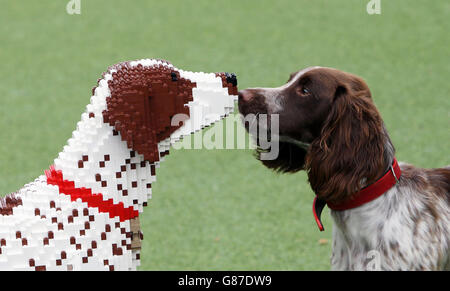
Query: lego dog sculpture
x,y
83,214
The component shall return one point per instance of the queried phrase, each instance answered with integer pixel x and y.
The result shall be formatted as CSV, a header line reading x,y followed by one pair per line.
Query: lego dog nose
x,y
231,79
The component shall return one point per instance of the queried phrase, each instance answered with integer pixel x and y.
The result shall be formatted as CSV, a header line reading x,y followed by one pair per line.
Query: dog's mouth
x,y
262,126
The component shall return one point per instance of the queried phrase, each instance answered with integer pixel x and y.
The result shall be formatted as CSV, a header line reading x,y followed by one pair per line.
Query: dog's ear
x,y
143,100
349,152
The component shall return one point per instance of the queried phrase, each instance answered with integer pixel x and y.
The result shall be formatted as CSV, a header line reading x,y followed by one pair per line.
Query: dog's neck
x,y
335,178
97,158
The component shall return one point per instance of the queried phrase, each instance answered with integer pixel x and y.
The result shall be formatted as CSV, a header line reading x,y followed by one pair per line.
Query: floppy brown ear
x,y
349,152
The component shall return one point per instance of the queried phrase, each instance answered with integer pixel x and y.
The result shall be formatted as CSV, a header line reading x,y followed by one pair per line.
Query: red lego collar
x,y
95,200
365,195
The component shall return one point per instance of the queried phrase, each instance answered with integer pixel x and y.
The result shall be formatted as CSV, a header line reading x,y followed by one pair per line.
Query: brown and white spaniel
x,y
387,216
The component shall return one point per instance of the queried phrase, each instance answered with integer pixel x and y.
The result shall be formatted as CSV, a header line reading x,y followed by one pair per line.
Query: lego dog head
x,y
137,111
145,95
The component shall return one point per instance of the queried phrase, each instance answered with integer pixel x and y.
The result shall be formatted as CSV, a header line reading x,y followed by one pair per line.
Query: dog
x,y
387,215
83,214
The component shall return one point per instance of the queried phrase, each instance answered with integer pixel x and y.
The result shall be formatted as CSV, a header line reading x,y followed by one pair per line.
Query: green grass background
x,y
221,210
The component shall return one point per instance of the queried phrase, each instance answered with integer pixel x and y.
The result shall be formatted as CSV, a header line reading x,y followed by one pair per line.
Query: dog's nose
x,y
246,95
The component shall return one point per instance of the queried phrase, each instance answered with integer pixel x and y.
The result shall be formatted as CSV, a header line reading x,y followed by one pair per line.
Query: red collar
x,y
67,187
365,195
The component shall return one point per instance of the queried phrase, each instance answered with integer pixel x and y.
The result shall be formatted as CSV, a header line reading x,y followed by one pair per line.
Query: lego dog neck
x,y
99,157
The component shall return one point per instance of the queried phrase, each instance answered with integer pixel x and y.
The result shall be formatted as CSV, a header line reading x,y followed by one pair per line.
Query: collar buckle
x,y
393,174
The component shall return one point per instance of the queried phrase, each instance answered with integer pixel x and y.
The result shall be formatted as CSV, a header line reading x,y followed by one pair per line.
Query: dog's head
x,y
304,102
327,122
150,101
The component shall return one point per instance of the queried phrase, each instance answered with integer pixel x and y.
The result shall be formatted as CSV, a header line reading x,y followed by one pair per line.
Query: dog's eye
x,y
303,91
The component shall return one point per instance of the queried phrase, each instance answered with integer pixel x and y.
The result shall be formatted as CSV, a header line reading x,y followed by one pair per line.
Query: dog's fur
x,y
347,147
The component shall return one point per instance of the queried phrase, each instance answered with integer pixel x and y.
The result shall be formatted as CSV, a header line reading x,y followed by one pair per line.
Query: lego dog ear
x,y
143,100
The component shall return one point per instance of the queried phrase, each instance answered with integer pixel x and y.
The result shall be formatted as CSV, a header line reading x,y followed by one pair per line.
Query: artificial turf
x,y
220,209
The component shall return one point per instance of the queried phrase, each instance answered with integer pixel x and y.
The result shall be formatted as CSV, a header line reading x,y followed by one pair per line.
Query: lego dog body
x,y
83,213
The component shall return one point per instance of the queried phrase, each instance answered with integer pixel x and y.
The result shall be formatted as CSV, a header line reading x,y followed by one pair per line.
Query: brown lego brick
x,y
8,202
40,268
